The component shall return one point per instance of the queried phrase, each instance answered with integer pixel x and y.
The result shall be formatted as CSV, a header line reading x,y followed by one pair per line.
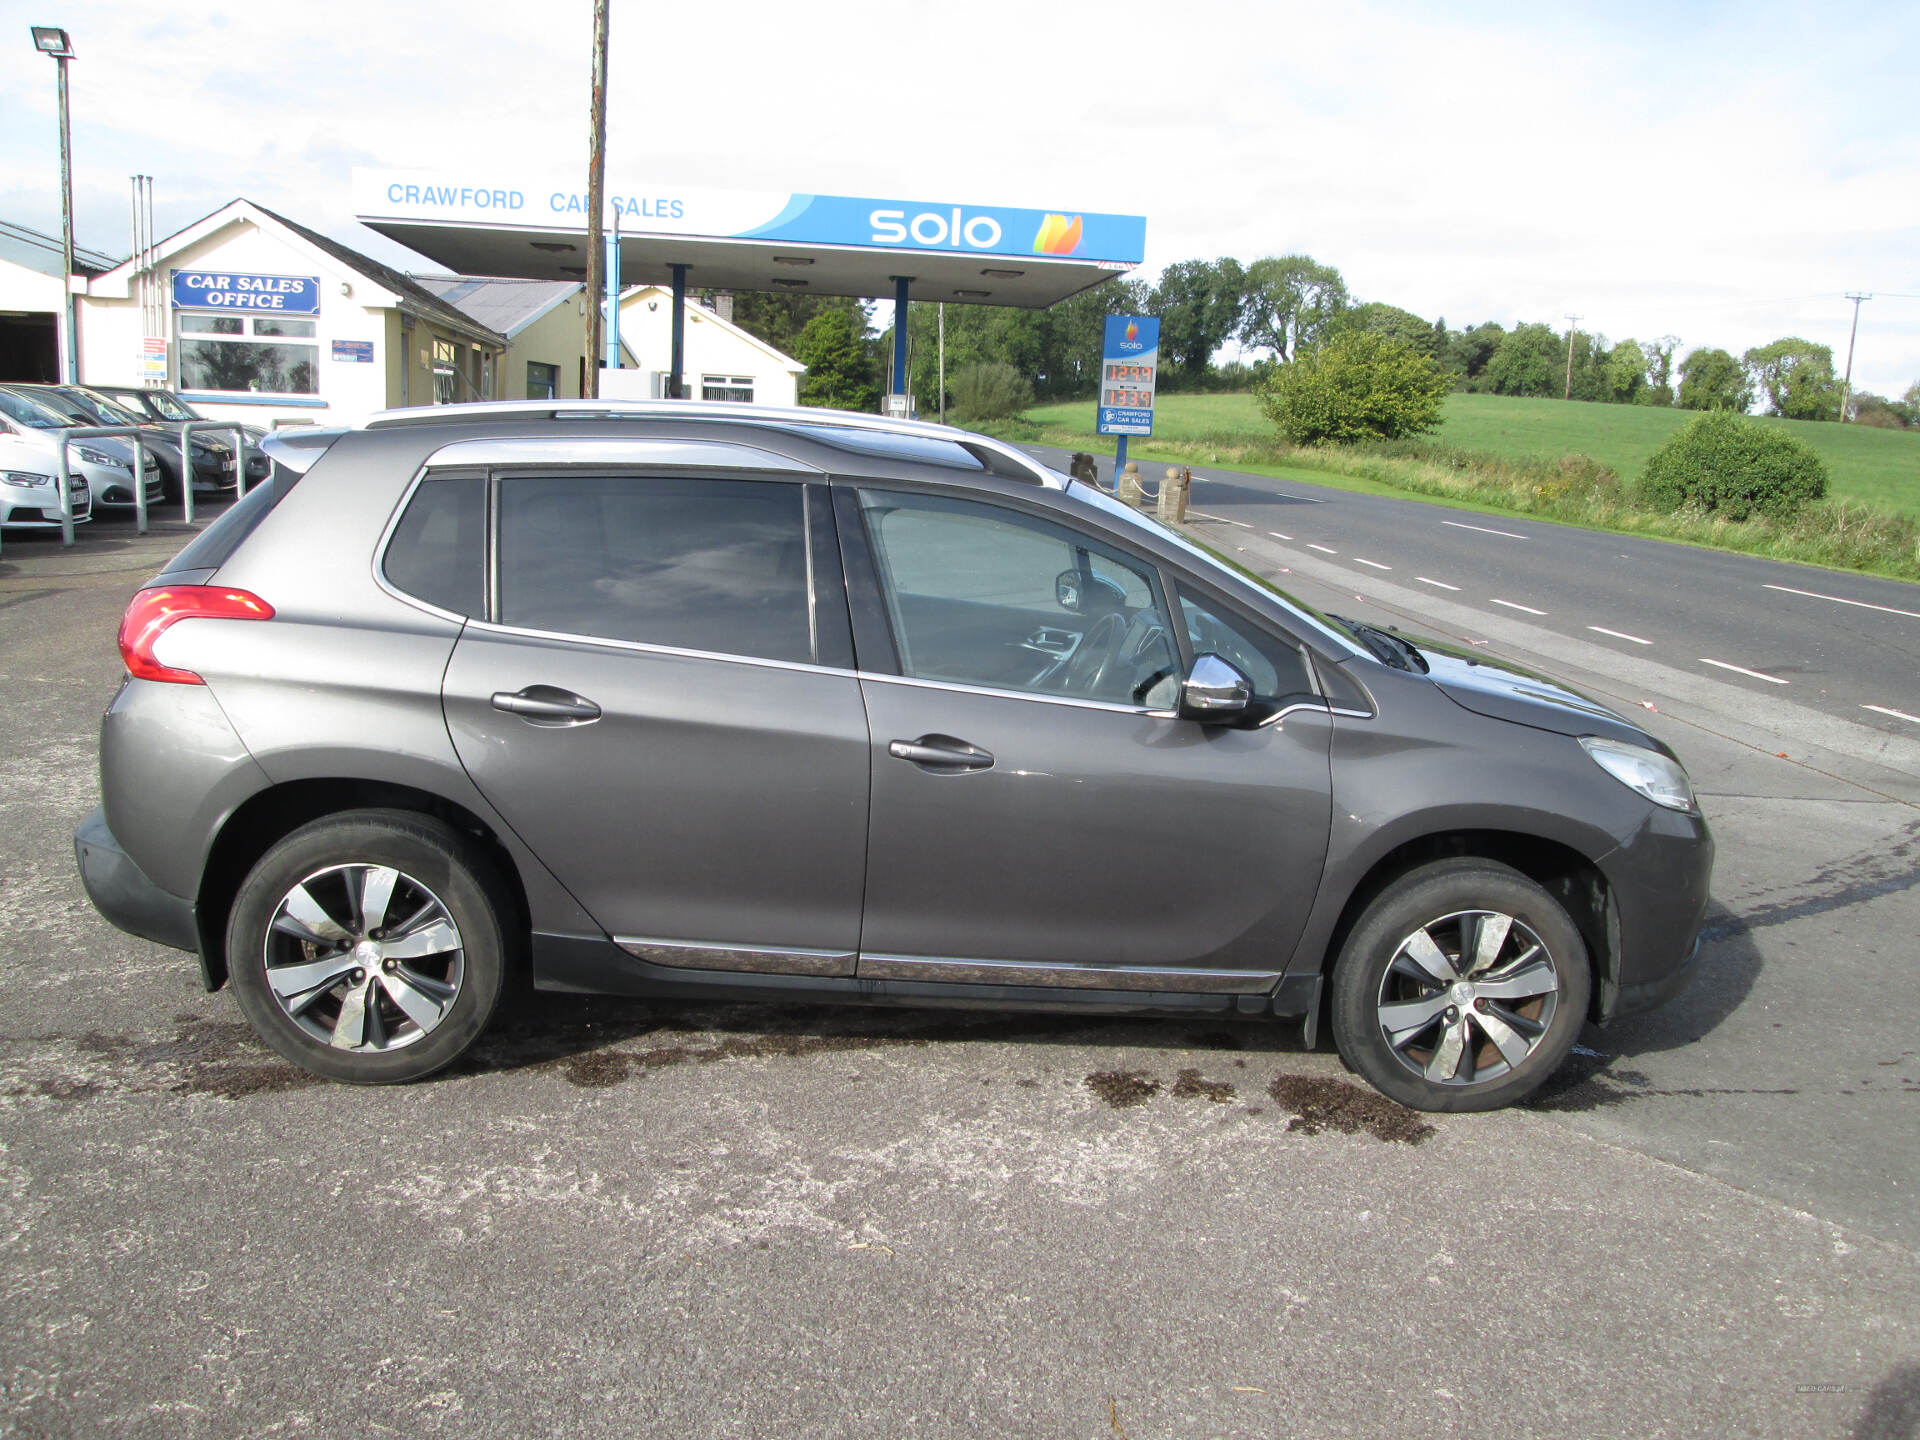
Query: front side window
x,y
982,595
258,354
696,564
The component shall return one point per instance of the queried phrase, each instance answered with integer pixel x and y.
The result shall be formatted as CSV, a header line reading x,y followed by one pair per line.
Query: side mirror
x,y
1214,691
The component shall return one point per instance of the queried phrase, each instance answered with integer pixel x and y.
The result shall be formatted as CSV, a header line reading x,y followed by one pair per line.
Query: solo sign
x,y
221,290
1129,359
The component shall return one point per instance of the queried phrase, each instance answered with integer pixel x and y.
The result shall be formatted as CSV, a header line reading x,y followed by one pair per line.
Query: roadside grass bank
x,y
1841,533
1879,467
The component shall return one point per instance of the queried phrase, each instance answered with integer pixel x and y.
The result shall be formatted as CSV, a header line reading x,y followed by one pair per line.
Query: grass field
x,y
1879,467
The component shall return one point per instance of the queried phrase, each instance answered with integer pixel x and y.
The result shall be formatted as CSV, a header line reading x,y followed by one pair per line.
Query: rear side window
x,y
697,564
439,549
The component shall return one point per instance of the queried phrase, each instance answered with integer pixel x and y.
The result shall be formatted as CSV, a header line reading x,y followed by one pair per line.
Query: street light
x,y
50,40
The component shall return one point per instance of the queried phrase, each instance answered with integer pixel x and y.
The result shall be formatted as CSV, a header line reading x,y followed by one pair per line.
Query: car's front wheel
x,y
367,947
1462,987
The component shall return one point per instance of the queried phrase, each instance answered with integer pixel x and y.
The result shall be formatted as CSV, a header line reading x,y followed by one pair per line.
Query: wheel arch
x,y
269,815
1574,880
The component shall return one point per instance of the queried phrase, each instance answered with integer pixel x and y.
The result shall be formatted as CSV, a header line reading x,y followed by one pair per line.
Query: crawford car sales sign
x,y
220,290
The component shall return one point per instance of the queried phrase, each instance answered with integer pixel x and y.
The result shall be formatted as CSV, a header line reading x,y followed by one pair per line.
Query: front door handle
x,y
941,754
546,705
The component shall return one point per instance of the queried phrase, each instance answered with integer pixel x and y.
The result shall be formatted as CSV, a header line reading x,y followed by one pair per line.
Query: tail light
x,y
152,611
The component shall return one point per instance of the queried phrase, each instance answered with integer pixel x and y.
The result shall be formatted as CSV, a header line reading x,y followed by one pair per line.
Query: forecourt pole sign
x,y
1129,360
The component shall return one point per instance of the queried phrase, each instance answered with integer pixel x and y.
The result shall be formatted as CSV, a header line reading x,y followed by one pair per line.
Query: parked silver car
x,y
30,487
694,699
104,463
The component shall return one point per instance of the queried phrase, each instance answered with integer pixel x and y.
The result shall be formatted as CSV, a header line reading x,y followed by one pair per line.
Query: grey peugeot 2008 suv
x,y
701,700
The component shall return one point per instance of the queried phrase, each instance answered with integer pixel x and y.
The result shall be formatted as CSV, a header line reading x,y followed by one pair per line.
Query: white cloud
x,y
1723,173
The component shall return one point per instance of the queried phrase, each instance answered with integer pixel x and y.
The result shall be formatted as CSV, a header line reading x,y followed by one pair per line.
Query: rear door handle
x,y
546,704
941,754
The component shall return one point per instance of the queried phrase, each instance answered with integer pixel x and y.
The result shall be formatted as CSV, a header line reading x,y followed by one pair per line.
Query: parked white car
x,y
104,463
30,488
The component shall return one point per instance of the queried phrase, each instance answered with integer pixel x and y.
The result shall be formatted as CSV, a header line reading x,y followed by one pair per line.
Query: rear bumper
x,y
121,891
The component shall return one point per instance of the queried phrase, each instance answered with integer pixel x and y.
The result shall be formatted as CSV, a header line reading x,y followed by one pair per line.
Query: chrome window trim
x,y
1318,706
617,450
947,970
965,689
755,959
645,647
386,539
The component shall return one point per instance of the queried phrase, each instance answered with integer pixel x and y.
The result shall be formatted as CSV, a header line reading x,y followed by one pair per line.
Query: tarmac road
x,y
624,1219
1845,644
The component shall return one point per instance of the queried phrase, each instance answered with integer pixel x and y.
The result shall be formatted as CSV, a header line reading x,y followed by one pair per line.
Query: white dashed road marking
x,y
1321,548
1441,584
1308,498
1278,536
1842,600
1482,529
1511,605
1897,714
1618,634
1374,563
1742,670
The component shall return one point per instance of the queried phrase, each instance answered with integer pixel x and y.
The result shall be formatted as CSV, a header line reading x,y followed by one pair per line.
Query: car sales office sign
x,y
1129,358
221,290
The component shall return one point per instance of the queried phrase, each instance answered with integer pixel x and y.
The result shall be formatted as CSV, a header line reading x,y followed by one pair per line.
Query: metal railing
x,y
190,428
64,471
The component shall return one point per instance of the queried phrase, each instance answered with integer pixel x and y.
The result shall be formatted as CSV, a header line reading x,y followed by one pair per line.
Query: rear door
x,y
662,706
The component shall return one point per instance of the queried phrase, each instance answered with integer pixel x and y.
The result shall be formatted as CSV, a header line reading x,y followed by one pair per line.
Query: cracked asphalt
x,y
623,1219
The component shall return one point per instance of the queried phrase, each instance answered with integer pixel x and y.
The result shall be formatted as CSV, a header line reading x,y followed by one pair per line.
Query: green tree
x,y
840,373
1378,318
1711,379
1531,360
1468,352
778,316
1735,467
1796,376
990,390
1291,300
1356,386
1198,304
1659,354
1626,372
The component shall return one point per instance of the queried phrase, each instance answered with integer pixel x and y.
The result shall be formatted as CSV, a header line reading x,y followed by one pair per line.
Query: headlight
x,y
1648,771
20,480
101,457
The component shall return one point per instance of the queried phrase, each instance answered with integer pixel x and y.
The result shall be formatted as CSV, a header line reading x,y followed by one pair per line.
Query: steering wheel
x,y
1095,659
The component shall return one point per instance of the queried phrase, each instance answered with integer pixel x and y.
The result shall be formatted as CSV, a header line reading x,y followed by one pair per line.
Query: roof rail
x,y
995,456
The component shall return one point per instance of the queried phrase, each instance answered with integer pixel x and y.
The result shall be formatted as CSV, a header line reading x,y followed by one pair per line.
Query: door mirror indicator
x,y
1214,691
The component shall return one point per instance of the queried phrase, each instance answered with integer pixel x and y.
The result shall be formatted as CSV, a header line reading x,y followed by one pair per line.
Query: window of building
x,y
543,381
446,372
714,565
727,387
247,353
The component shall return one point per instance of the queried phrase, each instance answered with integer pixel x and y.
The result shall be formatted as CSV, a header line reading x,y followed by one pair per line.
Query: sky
x,y
1722,173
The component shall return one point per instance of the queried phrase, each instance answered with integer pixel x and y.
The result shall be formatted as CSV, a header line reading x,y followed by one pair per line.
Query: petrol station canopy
x,y
753,240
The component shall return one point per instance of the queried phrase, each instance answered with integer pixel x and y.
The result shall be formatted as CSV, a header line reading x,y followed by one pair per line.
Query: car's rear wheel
x,y
367,947
1462,987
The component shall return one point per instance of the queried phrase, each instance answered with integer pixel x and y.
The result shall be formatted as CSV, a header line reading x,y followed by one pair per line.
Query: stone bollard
x,y
1186,490
1081,468
1130,484
1173,499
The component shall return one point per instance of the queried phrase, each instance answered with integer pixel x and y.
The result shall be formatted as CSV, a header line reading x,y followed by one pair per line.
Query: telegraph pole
x,y
1846,386
596,199
1572,320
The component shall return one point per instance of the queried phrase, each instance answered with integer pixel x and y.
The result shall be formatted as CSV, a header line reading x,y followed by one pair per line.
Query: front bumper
x,y
1659,881
121,891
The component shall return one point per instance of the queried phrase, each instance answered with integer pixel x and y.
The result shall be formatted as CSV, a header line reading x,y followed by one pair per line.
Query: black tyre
x,y
368,947
1462,987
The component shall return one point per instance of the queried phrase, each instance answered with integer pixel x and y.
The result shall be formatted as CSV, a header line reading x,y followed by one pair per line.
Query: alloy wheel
x,y
1468,997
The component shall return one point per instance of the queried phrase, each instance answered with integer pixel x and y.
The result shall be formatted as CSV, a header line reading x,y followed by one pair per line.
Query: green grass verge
x,y
1843,532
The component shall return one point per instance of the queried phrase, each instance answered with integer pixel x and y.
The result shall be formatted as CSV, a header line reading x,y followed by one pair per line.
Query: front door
x,y
1035,801
651,715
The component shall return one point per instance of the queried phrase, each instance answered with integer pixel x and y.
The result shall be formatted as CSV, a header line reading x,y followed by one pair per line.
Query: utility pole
x,y
49,40
943,362
596,199
1846,386
1572,320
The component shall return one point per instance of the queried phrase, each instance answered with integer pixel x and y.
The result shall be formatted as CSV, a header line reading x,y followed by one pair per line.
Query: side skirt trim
x,y
1067,977
755,959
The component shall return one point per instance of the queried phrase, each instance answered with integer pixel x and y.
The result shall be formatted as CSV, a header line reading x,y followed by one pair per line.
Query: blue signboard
x,y
223,290
1129,359
360,351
